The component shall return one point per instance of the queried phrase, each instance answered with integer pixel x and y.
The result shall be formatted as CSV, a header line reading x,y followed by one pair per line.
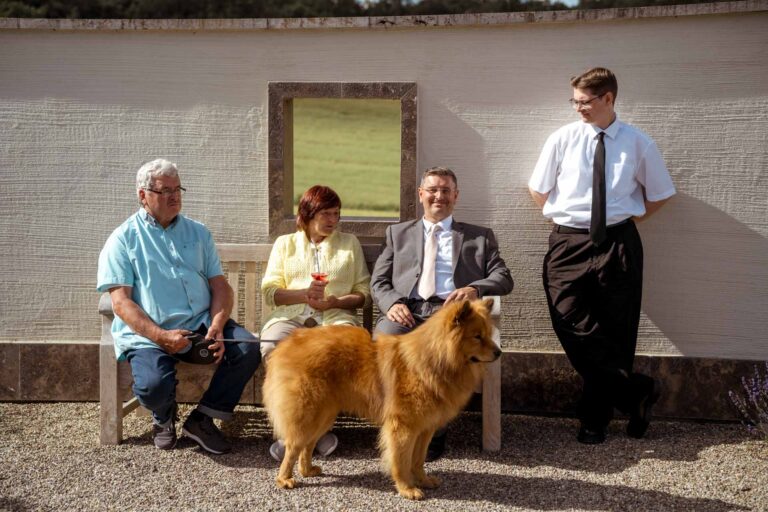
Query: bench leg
x,y
492,402
492,407
111,407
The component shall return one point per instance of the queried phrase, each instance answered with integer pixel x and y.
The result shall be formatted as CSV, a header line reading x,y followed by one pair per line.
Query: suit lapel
x,y
416,239
458,240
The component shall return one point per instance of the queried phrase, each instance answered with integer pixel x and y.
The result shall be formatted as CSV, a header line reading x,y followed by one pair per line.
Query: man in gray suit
x,y
432,261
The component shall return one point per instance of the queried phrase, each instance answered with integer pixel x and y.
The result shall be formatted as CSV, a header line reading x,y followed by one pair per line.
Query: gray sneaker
x,y
277,450
324,447
205,433
326,444
164,437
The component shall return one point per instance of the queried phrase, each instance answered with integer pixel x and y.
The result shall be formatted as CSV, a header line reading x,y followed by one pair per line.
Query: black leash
x,y
199,353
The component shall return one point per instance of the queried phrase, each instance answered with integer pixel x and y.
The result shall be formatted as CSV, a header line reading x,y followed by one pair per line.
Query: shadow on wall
x,y
456,145
706,281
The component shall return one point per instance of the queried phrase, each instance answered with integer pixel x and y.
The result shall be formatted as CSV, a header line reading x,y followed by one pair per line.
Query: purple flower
x,y
753,402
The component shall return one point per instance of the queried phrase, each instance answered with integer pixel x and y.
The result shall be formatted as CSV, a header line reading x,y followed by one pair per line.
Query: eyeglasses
x,y
433,191
167,192
586,103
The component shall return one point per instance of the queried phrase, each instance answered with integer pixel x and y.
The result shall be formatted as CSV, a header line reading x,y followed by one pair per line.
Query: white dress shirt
x,y
444,262
633,164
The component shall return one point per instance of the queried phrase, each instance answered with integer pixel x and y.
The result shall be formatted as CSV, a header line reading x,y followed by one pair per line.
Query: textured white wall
x,y
81,110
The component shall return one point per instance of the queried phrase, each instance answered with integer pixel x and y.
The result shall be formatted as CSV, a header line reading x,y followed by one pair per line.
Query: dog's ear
x,y
464,311
488,303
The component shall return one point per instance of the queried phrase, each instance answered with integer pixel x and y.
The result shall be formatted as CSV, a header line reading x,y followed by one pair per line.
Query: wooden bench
x,y
244,265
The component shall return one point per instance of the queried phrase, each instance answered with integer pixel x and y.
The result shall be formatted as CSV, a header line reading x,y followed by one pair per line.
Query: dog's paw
x,y
313,471
412,493
286,483
429,482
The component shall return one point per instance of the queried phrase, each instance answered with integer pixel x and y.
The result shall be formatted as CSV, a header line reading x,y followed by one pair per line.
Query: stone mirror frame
x,y
280,139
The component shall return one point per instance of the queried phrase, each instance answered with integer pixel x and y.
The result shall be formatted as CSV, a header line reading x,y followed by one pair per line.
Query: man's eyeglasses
x,y
586,103
434,190
167,192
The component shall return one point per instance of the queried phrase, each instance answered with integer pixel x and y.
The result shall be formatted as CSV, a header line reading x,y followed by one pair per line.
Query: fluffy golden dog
x,y
410,385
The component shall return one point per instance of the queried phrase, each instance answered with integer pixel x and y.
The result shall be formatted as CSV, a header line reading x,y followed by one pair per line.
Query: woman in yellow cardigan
x,y
315,276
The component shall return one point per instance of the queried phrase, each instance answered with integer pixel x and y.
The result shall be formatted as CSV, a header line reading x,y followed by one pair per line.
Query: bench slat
x,y
252,288
233,277
244,252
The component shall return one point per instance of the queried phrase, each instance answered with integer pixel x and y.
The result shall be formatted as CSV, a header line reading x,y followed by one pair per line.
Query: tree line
x,y
170,9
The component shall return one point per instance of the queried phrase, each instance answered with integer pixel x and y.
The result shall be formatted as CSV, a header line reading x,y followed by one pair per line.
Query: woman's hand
x,y
316,291
328,302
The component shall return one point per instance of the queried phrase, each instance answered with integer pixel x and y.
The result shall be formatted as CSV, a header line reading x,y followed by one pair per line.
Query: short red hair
x,y
312,201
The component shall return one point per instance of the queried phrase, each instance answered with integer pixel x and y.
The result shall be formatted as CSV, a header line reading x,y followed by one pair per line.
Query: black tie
x,y
597,226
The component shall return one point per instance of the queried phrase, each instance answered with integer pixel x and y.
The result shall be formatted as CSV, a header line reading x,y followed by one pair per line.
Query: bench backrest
x,y
244,266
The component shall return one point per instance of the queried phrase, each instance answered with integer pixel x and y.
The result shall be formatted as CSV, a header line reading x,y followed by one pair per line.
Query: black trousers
x,y
594,296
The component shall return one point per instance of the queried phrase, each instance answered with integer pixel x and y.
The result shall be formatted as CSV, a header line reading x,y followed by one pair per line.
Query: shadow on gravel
x,y
15,505
541,441
550,494
527,441
529,493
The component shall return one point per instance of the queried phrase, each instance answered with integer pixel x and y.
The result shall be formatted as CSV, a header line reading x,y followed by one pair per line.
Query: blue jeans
x,y
154,377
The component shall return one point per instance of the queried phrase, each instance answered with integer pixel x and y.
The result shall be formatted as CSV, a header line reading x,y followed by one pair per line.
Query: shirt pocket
x,y
192,255
621,177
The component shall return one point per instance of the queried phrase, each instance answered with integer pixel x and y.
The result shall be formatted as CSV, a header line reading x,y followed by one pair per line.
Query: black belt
x,y
424,308
580,231
431,300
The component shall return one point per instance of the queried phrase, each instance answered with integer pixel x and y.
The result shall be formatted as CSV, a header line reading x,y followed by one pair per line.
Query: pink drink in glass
x,y
320,276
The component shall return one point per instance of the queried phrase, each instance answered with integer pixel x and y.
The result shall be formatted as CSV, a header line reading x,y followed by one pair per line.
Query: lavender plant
x,y
752,402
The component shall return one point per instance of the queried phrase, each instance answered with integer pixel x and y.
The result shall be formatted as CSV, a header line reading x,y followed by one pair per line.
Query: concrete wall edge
x,y
386,22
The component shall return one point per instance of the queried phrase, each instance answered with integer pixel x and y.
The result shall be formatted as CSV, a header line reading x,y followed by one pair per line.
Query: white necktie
x,y
427,281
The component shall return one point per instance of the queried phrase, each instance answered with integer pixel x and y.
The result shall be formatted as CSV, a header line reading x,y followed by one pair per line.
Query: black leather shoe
x,y
436,447
640,417
589,436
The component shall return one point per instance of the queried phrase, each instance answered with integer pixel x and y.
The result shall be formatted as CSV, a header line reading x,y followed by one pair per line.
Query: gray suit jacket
x,y
476,262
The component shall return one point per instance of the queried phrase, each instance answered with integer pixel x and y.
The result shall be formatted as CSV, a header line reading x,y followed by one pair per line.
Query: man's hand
x,y
174,340
466,293
401,314
217,347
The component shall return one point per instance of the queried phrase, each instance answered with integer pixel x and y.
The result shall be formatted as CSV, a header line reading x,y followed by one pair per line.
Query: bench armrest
x,y
496,308
105,306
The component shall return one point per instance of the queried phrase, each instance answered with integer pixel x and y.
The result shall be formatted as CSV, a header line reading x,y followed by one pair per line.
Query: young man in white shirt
x,y
594,178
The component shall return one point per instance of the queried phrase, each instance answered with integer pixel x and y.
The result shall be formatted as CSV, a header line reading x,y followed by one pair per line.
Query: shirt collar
x,y
149,219
611,131
329,240
444,224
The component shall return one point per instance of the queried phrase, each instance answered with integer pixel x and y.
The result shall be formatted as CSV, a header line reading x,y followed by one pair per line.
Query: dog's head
x,y
473,320
464,328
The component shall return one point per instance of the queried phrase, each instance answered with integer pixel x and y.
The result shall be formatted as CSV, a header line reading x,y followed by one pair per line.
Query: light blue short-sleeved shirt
x,y
168,270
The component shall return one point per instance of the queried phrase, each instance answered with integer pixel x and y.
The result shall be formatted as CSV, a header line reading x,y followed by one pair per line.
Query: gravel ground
x,y
50,459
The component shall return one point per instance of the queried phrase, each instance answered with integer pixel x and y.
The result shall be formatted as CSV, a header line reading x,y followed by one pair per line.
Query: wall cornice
x,y
387,22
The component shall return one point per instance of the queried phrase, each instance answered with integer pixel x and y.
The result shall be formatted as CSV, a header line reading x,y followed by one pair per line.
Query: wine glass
x,y
317,273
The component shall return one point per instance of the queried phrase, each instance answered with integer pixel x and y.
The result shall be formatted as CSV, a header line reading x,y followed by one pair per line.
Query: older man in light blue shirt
x,y
178,261
165,280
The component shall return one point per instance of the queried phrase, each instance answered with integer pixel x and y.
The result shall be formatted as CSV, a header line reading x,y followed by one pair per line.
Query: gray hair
x,y
151,170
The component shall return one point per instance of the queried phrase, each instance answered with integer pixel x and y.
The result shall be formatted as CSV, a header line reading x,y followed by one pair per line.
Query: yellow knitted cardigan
x,y
291,261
